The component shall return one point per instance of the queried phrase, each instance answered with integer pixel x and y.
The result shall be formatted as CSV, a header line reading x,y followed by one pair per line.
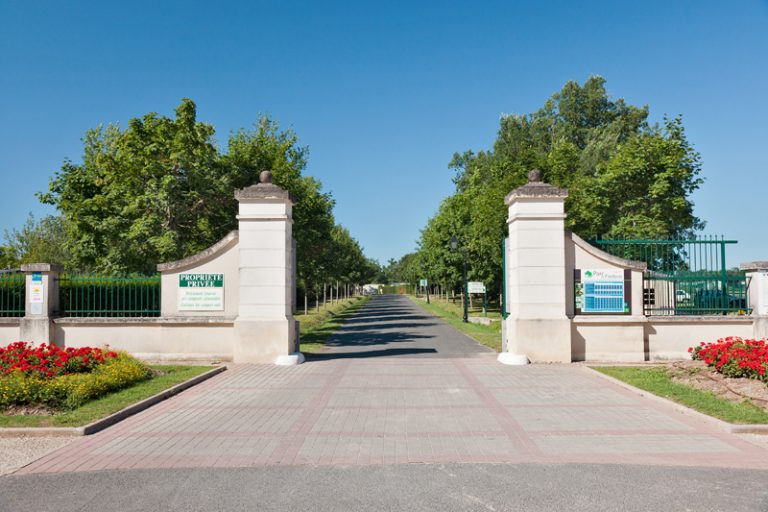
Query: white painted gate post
x,y
266,329
757,271
41,302
537,326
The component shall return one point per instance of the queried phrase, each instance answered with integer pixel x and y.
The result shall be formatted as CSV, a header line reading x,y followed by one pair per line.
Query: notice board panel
x,y
602,291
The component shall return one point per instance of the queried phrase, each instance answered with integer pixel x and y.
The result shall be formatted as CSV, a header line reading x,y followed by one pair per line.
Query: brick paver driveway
x,y
400,386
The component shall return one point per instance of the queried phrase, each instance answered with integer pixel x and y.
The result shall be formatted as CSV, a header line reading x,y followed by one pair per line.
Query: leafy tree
x,y
43,241
144,195
267,147
8,259
624,176
160,190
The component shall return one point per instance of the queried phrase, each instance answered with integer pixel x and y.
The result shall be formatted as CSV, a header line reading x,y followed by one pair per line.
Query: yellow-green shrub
x,y
71,391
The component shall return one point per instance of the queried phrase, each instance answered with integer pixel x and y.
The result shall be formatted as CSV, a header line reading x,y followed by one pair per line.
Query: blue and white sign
x,y
36,294
603,291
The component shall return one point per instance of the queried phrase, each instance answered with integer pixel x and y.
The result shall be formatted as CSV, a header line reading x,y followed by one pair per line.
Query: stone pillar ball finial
x,y
265,177
534,176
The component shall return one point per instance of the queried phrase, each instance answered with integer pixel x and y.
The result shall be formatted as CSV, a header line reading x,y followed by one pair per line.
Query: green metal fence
x,y
688,293
685,276
12,294
109,296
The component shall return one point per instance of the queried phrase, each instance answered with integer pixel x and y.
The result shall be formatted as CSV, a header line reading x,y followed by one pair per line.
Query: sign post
x,y
479,287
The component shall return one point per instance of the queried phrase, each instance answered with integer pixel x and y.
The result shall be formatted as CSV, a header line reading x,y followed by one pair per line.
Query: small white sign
x,y
36,294
475,287
422,282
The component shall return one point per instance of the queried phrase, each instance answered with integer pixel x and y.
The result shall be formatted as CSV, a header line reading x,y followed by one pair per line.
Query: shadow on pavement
x,y
392,325
370,353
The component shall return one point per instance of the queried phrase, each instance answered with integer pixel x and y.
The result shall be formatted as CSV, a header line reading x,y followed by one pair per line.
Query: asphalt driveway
x,y
399,387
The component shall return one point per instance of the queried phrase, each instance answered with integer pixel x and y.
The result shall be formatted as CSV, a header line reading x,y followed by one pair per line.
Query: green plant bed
x,y
488,335
657,380
317,327
163,377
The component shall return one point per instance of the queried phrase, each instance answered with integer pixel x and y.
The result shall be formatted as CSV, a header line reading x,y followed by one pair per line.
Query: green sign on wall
x,y
201,292
201,280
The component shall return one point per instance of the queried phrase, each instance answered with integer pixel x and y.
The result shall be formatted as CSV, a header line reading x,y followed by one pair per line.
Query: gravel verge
x,y
16,452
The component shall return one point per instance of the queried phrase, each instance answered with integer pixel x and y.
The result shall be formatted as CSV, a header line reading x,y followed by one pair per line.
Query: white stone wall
x,y
670,337
224,261
152,339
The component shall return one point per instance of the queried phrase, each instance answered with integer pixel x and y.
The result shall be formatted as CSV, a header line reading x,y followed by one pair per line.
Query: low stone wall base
x,y
264,340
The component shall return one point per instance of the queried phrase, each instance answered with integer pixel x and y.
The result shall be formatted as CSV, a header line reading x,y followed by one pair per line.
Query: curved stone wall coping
x,y
162,320
754,265
202,256
609,319
610,258
41,267
721,319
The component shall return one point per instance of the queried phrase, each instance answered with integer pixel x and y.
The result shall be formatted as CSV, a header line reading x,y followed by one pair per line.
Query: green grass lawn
x,y
657,380
490,335
102,407
317,327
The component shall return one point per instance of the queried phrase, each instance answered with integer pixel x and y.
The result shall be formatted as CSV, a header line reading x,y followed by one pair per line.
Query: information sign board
x,y
475,287
422,282
36,291
601,291
201,292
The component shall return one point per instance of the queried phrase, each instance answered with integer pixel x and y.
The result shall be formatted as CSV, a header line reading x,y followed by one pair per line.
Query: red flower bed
x,y
735,357
49,360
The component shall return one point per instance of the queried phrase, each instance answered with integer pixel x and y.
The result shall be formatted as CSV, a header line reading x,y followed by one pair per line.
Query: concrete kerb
x,y
731,428
110,420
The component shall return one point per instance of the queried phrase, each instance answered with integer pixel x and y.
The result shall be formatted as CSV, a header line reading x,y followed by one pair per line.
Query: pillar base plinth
x,y
264,340
513,359
290,359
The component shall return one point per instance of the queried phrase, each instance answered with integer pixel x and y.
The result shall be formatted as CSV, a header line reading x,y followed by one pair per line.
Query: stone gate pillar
x,y
41,302
537,326
757,272
266,329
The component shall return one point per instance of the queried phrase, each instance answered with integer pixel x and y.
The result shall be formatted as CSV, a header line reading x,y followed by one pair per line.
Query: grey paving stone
x,y
594,419
633,444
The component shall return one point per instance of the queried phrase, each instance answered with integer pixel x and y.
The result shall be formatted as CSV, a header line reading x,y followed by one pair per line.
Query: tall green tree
x,y
161,190
143,195
266,146
625,178
37,241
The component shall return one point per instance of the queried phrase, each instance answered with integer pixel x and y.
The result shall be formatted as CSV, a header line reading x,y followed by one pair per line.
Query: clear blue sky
x,y
384,93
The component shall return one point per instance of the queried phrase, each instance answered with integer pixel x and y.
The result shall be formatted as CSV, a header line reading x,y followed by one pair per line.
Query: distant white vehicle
x,y
371,289
682,296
